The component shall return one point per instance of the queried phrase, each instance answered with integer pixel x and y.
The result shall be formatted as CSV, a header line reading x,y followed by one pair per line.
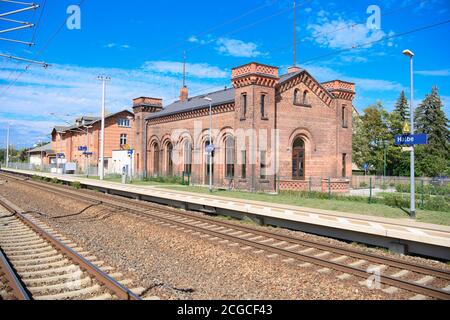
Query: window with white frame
x,y
123,139
123,122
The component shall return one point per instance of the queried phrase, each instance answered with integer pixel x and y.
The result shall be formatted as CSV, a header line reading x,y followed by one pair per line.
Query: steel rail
x,y
119,290
14,282
387,280
427,270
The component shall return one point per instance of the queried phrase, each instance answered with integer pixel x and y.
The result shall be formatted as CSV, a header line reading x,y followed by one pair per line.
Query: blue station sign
x,y
411,139
82,148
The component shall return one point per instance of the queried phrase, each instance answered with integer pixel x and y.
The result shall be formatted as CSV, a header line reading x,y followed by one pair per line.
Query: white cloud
x,y
237,48
339,32
193,39
74,90
434,73
115,45
200,70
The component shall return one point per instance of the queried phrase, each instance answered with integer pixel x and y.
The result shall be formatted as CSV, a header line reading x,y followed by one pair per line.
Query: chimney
x,y
293,69
184,93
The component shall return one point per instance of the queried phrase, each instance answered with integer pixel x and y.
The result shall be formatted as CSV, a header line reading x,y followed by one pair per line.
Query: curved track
x,y
424,281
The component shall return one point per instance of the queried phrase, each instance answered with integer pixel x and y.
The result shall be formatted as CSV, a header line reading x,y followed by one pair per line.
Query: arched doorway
x,y
155,159
208,159
229,157
169,159
187,157
298,159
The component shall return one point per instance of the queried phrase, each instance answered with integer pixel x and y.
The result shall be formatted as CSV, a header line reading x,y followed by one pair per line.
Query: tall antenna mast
x,y
184,69
295,34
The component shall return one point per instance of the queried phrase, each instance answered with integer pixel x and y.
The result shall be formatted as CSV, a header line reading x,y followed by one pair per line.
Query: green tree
x,y
400,114
360,141
433,159
397,159
373,135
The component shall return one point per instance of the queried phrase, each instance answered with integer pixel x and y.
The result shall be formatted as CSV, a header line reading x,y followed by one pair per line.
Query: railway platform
x,y
399,235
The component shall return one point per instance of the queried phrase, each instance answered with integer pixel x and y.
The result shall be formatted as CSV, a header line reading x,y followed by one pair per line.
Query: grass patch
x,y
357,205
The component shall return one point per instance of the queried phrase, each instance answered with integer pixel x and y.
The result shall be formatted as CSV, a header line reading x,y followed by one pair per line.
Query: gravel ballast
x,y
173,264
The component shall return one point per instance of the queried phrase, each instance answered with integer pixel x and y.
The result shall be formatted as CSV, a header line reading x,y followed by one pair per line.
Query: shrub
x,y
383,186
395,200
363,185
437,203
36,178
76,184
427,189
54,180
392,184
169,180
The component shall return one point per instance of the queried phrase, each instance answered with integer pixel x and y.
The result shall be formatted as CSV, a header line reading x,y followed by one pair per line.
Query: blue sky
x,y
140,45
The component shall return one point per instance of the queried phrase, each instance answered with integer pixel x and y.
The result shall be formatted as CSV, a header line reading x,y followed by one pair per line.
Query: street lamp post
x,y
410,54
7,147
210,142
102,142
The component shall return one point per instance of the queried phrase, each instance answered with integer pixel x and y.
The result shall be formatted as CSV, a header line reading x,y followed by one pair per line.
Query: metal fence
x,y
386,182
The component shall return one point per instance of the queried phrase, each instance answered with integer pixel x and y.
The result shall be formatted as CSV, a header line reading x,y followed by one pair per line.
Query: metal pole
x,y
102,135
384,172
42,160
413,189
7,147
210,144
132,154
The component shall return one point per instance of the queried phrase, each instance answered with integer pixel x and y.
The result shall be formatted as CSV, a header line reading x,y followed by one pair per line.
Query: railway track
x,y
421,280
37,265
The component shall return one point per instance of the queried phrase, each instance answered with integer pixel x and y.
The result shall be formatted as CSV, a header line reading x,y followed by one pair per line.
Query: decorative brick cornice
x,y
343,94
341,89
314,86
255,74
146,108
224,108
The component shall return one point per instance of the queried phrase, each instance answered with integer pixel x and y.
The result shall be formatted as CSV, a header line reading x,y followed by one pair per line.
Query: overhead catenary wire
x,y
222,24
388,37
40,51
33,38
351,25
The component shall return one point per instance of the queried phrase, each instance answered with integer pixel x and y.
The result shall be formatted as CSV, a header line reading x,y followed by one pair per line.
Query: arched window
x,y
305,97
187,157
155,159
298,159
243,106
296,96
344,117
169,159
263,106
229,157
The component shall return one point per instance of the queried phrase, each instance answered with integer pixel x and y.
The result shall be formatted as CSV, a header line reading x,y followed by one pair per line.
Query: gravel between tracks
x,y
176,265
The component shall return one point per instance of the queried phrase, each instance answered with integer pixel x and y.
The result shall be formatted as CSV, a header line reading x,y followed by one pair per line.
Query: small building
x,y
79,144
41,156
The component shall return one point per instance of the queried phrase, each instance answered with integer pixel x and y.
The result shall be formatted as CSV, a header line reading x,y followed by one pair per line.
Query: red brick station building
x,y
308,127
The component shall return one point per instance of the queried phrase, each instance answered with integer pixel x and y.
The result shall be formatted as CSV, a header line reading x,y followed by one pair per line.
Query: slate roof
x,y
47,148
89,123
198,102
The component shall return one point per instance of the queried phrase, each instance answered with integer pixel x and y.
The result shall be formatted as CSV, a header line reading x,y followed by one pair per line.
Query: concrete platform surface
x,y
396,231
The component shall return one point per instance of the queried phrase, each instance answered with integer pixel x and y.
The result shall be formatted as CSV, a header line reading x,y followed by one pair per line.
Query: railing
x,y
388,182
